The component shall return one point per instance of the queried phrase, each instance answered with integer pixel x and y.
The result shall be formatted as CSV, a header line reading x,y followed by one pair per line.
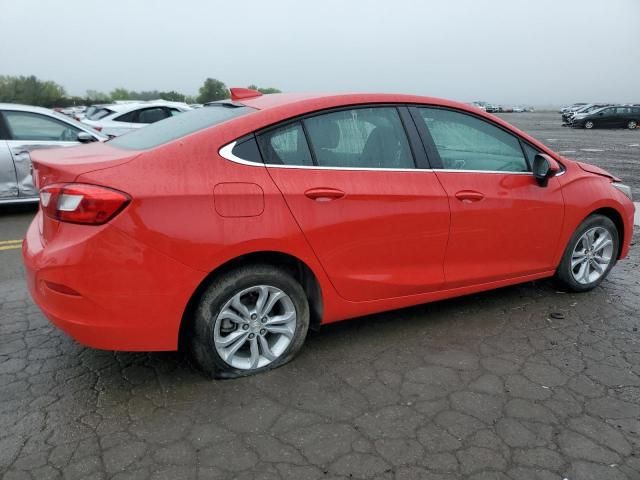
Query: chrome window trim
x,y
227,153
455,170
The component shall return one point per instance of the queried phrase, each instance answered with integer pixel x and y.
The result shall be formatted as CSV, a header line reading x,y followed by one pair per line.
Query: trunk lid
x,y
66,164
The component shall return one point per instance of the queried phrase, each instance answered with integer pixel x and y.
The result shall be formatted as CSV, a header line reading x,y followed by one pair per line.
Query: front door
x,y
378,225
503,224
8,183
28,131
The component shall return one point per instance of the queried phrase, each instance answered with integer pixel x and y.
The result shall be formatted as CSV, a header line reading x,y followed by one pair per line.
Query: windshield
x,y
179,126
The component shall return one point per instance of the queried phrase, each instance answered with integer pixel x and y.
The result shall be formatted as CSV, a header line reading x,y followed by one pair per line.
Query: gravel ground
x,y
522,383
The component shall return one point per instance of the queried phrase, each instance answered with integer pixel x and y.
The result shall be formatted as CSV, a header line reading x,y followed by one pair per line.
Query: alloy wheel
x,y
588,124
592,255
632,124
254,327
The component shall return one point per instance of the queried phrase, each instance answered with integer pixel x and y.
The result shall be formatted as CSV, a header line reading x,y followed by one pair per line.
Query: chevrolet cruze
x,y
233,229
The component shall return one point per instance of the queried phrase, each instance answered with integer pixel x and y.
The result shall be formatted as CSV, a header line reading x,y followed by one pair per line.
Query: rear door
x,y
28,131
503,224
606,118
378,224
622,117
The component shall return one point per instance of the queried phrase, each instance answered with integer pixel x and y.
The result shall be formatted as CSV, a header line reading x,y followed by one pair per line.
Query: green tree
x,y
120,94
212,90
264,91
94,96
31,91
172,96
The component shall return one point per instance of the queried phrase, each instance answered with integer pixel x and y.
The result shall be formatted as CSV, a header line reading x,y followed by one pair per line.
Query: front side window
x,y
36,127
360,138
465,142
286,145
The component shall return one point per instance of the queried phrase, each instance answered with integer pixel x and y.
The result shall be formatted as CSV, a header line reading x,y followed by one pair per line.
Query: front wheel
x,y
590,254
249,320
632,125
589,125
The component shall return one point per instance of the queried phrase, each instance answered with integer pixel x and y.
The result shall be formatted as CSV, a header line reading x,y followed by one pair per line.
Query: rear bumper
x,y
106,290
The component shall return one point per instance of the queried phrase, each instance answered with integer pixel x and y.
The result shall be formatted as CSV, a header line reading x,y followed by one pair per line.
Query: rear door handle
x,y
469,196
324,194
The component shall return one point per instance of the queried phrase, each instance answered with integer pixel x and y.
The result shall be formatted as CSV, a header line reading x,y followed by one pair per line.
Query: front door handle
x,y
324,194
469,196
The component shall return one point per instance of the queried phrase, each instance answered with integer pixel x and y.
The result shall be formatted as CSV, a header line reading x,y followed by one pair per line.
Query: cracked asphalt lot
x,y
522,383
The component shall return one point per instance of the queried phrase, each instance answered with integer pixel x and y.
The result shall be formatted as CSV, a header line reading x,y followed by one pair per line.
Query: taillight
x,y
82,203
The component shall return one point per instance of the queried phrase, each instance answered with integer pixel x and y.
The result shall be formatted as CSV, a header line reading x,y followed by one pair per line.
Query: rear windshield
x,y
175,127
98,113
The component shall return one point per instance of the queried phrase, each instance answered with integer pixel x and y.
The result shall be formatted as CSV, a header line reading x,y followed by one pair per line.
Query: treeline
x,y
30,90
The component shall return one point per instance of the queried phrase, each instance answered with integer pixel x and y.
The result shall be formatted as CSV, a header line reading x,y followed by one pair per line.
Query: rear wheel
x,y
589,124
249,320
590,254
632,125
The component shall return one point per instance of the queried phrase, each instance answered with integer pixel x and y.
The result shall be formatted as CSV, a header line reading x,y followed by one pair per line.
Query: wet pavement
x,y
522,383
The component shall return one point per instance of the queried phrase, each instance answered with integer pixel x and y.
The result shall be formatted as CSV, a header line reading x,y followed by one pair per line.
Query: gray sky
x,y
503,51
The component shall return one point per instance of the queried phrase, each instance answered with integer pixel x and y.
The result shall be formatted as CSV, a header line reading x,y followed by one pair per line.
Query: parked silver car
x,y
24,128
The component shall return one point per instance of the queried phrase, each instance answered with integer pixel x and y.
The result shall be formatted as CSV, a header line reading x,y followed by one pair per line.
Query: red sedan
x,y
234,228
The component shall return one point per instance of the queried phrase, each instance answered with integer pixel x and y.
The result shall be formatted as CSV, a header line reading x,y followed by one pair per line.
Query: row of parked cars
x,y
25,128
601,115
491,108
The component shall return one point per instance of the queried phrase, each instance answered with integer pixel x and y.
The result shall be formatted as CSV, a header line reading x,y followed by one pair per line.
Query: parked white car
x,y
24,128
116,119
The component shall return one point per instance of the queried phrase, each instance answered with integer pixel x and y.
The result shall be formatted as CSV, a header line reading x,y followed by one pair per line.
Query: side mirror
x,y
84,137
544,167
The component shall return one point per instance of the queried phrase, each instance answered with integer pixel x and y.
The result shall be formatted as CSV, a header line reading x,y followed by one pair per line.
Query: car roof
x,y
318,101
25,108
276,107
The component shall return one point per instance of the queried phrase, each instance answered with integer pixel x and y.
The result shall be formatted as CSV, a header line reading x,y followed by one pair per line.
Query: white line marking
x,y
592,150
567,151
636,217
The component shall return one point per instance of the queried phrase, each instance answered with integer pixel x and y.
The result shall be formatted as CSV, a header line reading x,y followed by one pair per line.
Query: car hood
x,y
596,170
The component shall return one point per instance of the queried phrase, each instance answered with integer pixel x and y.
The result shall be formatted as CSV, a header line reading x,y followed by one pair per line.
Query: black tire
x,y
201,327
632,125
564,276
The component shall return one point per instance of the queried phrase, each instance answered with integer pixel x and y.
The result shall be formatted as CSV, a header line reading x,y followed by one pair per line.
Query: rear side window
x,y
285,145
179,126
360,138
465,142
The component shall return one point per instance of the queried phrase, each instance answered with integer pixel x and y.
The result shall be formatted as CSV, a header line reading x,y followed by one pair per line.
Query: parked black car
x,y
567,117
610,117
